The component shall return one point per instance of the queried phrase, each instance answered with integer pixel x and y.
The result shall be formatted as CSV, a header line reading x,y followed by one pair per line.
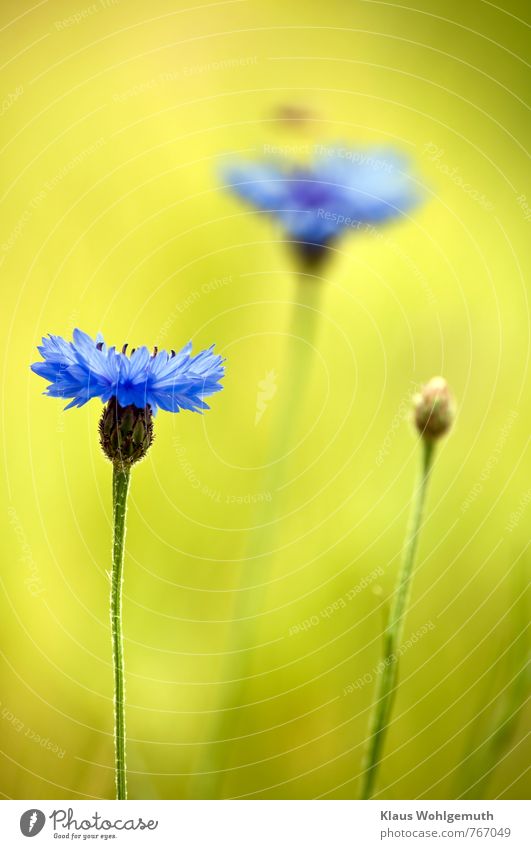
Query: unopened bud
x,y
433,408
125,432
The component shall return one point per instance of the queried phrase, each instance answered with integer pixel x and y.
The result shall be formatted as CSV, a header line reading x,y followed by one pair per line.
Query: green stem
x,y
120,488
387,681
303,329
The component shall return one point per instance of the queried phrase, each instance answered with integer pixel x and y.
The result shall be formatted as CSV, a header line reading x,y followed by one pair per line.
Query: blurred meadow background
x,y
115,119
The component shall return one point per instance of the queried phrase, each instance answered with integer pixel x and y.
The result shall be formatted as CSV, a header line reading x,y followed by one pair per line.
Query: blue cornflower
x,y
343,188
132,389
86,368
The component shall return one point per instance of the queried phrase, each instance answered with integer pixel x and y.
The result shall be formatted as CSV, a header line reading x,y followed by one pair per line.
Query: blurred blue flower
x,y
342,189
85,368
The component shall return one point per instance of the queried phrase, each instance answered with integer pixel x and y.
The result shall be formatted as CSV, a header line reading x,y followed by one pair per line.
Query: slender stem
x,y
388,678
298,363
120,488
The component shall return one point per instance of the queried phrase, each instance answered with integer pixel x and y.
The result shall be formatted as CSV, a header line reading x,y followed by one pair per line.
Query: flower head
x,y
343,188
433,409
86,368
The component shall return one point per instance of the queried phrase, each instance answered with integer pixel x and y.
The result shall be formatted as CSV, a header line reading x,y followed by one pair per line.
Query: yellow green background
x,y
114,122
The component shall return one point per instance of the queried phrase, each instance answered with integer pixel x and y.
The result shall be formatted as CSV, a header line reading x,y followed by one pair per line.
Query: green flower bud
x,y
125,432
433,408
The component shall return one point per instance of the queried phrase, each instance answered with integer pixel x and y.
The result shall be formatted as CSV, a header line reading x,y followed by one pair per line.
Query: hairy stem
x,y
120,488
388,678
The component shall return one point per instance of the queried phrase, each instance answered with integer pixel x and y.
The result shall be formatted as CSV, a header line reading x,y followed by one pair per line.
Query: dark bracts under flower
x,y
126,433
132,387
